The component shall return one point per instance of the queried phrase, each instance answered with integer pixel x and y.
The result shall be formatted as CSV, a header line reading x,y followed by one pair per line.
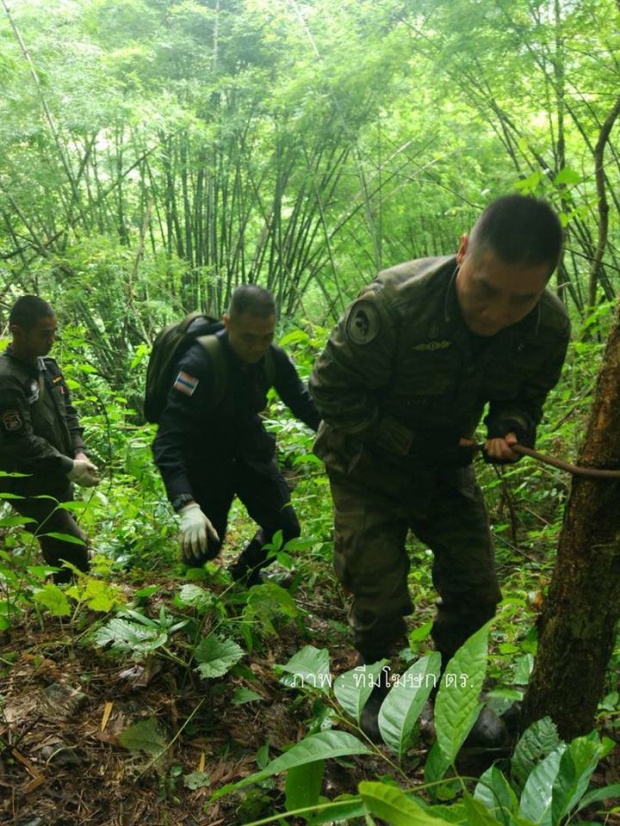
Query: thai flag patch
x,y
185,383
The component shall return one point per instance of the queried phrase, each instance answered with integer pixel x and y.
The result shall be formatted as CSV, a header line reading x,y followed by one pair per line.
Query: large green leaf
x,y
143,736
216,656
322,746
607,792
537,796
354,687
536,743
477,813
340,810
195,597
124,635
405,700
576,767
395,807
308,668
53,599
457,705
436,764
303,785
64,537
496,793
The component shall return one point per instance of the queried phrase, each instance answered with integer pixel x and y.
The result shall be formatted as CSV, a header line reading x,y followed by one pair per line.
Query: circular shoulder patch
x,y
362,324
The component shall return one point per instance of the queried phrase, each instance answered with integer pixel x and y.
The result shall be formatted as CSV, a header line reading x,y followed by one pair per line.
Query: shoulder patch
x,y
362,323
11,421
185,383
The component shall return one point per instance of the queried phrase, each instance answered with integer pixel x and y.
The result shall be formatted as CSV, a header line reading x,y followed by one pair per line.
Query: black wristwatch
x,y
181,500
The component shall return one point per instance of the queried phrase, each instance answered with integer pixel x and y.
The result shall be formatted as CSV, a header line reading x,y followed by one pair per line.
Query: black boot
x,y
246,569
369,719
242,572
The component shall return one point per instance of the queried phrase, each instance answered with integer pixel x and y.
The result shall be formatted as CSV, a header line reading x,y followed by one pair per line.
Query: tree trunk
x,y
577,628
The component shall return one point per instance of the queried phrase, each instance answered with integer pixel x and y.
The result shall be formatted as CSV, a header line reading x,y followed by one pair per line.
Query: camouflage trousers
x,y
376,504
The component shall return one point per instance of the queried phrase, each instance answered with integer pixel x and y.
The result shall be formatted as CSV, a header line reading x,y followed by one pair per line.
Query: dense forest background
x,y
154,155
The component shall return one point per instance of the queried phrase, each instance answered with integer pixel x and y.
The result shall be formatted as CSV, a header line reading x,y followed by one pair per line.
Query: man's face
x,y
493,295
250,335
38,341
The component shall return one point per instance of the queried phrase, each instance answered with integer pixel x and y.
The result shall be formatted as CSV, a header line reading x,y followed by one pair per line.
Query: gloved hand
x,y
196,533
442,447
83,473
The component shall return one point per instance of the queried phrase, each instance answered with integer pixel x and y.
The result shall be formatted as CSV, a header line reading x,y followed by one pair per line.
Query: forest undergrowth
x,y
151,692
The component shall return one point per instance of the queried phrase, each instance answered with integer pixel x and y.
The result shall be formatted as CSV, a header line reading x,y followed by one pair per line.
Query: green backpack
x,y
169,346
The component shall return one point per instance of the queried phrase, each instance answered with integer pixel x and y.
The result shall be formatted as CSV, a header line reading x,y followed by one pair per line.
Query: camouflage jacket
x,y
401,365
39,428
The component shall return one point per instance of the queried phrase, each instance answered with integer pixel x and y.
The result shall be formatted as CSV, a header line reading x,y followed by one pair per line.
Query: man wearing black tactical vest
x,y
209,450
40,435
401,387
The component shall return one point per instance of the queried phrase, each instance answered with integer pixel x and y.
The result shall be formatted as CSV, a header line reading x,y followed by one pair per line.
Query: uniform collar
x,y
36,366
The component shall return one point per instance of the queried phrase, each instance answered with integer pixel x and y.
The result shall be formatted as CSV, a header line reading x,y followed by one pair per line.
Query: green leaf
x,y
537,795
194,596
143,736
13,520
271,599
395,807
216,656
538,741
437,763
607,792
54,600
457,705
74,507
303,785
65,537
322,746
125,636
568,177
405,700
496,793
354,687
244,695
576,768
308,668
196,780
340,810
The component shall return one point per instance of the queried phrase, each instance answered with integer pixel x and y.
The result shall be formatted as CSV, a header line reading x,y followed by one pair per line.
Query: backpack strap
x,y
213,347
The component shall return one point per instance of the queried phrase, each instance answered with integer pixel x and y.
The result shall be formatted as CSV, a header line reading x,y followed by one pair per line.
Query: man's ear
x,y
462,250
226,320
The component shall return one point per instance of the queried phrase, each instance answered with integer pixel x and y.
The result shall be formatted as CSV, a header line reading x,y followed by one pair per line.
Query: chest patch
x,y
11,421
363,324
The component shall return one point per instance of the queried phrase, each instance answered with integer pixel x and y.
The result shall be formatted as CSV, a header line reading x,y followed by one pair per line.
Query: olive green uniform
x,y
400,379
40,434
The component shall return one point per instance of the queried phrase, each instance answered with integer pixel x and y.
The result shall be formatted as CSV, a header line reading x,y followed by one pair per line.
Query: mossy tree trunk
x,y
577,627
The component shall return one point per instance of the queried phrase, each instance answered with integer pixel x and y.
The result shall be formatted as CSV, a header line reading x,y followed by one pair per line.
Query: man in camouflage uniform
x,y
401,387
40,435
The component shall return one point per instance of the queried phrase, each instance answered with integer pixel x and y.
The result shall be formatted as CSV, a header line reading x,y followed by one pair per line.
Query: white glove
x,y
196,531
84,473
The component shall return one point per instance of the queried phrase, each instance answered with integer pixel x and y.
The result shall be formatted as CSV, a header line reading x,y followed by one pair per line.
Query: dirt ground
x,y
63,705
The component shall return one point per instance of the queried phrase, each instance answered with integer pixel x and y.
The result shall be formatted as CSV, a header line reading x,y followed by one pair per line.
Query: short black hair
x,y
27,310
253,300
519,230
